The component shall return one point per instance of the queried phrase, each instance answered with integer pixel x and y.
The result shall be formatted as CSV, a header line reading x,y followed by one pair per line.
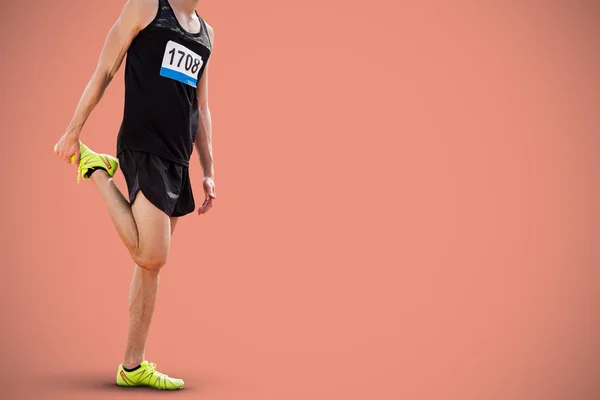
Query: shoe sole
x,y
151,387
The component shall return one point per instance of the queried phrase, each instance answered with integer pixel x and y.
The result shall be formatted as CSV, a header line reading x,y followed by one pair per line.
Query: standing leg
x,y
146,231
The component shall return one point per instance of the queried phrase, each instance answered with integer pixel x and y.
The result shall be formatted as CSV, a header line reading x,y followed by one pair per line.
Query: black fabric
x,y
133,369
92,170
161,112
164,183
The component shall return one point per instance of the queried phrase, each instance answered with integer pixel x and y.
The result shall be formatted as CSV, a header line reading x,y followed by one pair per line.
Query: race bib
x,y
181,64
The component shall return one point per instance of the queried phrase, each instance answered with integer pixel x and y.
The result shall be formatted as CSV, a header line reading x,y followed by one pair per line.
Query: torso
x,y
165,63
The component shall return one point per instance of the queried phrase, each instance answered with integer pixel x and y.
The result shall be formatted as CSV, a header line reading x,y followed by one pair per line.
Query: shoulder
x,y
210,30
143,4
141,12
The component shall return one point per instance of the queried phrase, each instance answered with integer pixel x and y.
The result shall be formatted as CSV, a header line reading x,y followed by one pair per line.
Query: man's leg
x,y
142,298
146,231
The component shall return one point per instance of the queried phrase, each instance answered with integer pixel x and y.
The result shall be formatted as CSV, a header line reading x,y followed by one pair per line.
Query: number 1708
x,y
191,64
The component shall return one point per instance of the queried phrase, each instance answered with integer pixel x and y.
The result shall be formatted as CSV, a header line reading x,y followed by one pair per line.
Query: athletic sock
x,y
131,370
92,170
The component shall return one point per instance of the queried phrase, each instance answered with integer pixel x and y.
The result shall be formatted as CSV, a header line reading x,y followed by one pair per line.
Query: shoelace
x,y
152,369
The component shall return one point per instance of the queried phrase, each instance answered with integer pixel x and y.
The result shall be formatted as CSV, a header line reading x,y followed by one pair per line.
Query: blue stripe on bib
x,y
178,76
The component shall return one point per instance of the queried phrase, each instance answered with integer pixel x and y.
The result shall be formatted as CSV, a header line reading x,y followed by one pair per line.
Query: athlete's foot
x,y
90,161
147,375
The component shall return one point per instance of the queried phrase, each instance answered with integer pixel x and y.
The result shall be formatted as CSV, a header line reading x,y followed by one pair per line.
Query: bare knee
x,y
152,261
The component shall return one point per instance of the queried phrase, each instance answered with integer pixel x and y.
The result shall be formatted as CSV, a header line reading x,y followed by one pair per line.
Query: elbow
x,y
103,76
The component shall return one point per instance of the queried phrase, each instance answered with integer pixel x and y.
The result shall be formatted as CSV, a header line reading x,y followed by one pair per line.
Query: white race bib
x,y
181,64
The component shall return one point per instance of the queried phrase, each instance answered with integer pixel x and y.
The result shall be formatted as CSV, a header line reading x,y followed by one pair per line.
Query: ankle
x,y
132,369
129,364
98,174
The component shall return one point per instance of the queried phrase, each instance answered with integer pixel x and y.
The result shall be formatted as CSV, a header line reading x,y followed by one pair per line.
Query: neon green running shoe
x,y
89,160
147,375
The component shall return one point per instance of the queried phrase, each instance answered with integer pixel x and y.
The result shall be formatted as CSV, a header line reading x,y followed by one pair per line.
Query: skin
x,y
144,229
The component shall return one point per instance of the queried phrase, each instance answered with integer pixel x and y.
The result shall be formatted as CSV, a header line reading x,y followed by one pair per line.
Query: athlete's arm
x,y
204,136
136,14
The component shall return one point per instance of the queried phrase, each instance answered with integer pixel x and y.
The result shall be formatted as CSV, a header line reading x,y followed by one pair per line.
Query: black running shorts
x,y
165,184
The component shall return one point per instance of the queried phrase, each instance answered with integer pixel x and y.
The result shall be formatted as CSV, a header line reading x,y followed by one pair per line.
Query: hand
x,y
68,148
209,191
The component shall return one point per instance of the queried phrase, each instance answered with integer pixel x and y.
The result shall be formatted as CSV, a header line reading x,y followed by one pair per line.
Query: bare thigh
x,y
154,233
173,224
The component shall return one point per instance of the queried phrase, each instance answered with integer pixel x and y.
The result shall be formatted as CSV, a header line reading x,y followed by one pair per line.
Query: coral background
x,y
407,207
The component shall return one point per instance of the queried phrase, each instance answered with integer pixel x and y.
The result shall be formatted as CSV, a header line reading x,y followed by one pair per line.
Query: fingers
x,y
209,190
207,205
72,158
57,151
202,208
67,157
62,155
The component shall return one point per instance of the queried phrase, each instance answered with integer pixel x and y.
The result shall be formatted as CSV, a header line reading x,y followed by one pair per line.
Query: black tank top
x,y
163,68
